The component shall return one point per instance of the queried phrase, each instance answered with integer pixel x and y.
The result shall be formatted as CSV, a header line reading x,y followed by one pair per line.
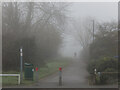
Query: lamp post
x,y
93,30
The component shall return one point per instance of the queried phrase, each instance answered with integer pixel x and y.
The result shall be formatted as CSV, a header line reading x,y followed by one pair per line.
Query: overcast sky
x,y
104,11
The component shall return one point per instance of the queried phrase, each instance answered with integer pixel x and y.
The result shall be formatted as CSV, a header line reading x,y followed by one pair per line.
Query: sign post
x,y
60,76
21,64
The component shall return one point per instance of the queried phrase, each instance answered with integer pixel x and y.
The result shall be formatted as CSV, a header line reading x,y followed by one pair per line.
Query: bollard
x,y
99,74
60,76
95,72
37,75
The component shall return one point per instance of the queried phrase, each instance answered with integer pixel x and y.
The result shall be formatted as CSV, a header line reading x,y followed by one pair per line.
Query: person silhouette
x,y
75,54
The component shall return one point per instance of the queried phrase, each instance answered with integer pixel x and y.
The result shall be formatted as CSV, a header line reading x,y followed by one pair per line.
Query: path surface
x,y
73,76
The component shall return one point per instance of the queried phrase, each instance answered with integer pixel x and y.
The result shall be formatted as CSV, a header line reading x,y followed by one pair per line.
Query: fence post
x,y
18,79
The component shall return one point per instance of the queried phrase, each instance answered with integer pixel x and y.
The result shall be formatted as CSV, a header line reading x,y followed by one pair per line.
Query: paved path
x,y
73,76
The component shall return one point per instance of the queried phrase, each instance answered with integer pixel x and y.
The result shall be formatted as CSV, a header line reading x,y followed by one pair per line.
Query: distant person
x,y
75,54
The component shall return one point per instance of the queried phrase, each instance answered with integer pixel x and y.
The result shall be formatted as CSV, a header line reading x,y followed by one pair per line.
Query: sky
x,y
102,11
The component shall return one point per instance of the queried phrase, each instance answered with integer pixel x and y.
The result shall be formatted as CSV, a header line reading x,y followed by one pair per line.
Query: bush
x,y
105,64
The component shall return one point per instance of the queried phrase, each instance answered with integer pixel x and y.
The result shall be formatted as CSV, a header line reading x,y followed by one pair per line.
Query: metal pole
x,y
60,78
95,74
93,30
37,76
21,64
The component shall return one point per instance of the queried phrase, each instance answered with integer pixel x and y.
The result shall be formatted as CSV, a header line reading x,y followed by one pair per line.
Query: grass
x,y
50,68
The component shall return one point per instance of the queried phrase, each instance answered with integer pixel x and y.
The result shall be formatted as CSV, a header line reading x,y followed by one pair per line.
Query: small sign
x,y
95,70
21,54
99,73
60,69
33,70
21,50
36,68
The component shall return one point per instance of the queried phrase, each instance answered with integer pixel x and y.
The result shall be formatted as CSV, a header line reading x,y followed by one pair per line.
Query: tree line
x,y
34,26
102,52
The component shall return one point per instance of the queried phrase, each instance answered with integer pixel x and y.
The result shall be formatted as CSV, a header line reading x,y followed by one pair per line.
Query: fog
x,y
70,46
76,37
100,11
56,26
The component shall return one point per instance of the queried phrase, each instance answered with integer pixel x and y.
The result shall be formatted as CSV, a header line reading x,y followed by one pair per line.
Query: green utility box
x,y
28,71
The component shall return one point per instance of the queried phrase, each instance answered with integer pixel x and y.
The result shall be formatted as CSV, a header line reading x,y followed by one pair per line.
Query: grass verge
x,y
50,68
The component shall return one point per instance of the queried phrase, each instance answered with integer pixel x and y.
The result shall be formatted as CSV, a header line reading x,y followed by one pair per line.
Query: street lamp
x,y
93,30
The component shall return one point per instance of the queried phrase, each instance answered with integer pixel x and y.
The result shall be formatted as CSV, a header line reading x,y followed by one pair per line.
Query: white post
x,y
95,75
19,79
18,75
95,71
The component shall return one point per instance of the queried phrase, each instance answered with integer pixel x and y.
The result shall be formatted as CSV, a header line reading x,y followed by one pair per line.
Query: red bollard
x,y
36,68
60,76
60,69
37,75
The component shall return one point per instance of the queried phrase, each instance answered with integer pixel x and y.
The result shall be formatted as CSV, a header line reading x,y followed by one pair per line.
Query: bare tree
x,y
84,32
37,27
